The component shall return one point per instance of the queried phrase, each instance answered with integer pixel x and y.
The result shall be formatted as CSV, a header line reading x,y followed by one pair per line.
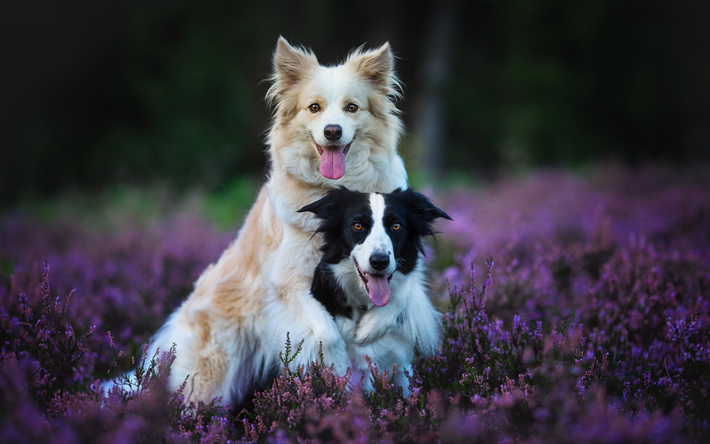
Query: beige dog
x,y
332,126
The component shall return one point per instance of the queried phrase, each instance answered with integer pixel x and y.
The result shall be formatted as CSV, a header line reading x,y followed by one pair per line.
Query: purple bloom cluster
x,y
593,325
125,280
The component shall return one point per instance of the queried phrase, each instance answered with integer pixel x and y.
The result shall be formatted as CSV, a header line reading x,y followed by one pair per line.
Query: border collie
x,y
332,126
370,278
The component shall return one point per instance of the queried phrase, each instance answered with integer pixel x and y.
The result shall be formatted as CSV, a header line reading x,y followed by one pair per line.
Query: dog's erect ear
x,y
377,66
291,65
422,212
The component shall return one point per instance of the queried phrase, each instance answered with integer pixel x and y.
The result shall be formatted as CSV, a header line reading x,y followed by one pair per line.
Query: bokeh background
x,y
96,94
569,141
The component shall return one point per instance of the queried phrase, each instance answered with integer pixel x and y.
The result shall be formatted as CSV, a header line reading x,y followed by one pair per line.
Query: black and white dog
x,y
371,277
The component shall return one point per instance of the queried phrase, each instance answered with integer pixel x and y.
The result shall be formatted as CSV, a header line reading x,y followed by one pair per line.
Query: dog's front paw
x,y
336,355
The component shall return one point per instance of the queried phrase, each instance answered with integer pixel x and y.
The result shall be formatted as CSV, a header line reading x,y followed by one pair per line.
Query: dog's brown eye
x,y
314,108
396,226
351,108
357,226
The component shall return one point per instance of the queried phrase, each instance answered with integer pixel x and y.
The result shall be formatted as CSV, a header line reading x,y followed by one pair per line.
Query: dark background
x,y
99,93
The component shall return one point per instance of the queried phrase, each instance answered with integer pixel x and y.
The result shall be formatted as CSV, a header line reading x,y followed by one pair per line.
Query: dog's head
x,y
374,235
329,120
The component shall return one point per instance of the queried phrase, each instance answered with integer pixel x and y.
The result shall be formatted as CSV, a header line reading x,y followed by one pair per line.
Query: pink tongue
x,y
332,163
379,289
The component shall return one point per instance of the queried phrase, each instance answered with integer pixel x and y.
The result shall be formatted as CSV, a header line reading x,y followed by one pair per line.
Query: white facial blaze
x,y
334,85
378,241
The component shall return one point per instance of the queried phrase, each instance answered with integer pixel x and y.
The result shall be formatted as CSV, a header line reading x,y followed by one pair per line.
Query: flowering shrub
x,y
297,400
592,325
126,281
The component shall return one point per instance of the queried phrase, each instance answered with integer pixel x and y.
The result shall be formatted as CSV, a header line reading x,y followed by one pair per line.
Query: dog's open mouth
x,y
376,285
332,159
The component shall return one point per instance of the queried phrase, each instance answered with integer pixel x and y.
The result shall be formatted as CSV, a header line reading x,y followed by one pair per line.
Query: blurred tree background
x,y
99,93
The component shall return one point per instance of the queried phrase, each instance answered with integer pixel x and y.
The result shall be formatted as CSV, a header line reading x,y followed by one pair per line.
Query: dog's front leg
x,y
306,322
291,307
325,336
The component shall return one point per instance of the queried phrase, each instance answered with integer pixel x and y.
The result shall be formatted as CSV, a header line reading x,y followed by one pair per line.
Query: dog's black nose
x,y
379,261
333,132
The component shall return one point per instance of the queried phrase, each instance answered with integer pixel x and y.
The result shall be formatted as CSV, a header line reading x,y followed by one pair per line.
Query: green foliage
x,y
226,208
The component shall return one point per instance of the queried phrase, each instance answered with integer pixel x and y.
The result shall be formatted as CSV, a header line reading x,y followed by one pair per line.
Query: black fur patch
x,y
338,210
416,214
327,291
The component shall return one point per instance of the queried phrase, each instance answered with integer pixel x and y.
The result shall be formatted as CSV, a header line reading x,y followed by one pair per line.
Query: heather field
x,y
576,308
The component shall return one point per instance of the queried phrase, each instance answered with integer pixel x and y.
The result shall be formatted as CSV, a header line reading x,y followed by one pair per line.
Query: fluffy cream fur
x,y
232,327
